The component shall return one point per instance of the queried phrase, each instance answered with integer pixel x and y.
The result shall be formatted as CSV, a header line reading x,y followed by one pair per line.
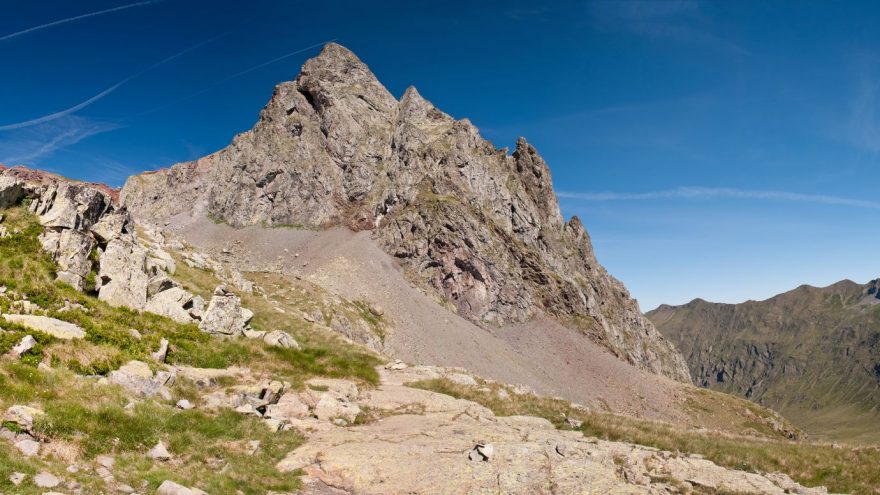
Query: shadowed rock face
x,y
804,353
478,226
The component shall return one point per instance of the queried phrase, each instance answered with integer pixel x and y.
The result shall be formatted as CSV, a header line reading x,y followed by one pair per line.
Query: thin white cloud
x,y
30,145
679,20
106,92
76,18
721,193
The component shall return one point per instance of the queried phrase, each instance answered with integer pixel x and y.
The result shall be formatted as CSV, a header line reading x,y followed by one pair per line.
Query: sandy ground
x,y
551,359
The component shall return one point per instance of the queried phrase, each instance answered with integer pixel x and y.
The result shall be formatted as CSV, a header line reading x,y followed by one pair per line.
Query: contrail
x,y
102,94
233,76
721,192
76,18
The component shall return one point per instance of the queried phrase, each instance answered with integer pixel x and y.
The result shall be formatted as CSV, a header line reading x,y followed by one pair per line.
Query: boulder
x,y
123,276
17,478
224,315
159,453
70,206
71,250
159,260
138,378
46,480
333,406
160,354
26,344
169,487
11,191
22,416
28,447
159,283
175,303
112,226
54,327
278,338
288,407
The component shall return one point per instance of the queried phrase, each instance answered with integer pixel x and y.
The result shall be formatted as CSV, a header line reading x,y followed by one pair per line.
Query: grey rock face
x,y
70,206
71,250
11,191
478,226
123,275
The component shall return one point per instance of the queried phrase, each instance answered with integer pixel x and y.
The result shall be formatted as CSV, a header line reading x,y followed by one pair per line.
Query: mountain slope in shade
x,y
812,354
475,226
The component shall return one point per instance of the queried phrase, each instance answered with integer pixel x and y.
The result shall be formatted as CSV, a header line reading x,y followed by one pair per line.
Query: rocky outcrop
x,y
432,443
92,240
479,227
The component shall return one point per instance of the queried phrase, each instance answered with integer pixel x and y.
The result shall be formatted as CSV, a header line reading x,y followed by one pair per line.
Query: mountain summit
x,y
478,227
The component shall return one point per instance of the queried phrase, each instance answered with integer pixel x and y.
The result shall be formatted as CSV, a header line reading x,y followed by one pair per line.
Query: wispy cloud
x,y
79,106
679,20
30,145
76,18
721,193
863,128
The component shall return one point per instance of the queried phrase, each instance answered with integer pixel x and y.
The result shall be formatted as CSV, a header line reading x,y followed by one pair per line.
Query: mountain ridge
x,y
810,353
477,226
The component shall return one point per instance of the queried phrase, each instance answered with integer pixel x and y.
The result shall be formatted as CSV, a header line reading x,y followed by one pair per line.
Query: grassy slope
x,y
84,420
845,469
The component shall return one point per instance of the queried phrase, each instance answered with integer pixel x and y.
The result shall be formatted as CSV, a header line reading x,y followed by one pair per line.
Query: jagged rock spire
x,y
479,227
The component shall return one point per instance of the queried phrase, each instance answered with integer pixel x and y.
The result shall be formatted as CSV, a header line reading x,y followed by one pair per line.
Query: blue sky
x,y
723,150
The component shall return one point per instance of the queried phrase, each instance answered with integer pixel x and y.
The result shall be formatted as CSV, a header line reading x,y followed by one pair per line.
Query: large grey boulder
x,y
112,226
71,251
138,378
224,315
175,303
70,206
123,277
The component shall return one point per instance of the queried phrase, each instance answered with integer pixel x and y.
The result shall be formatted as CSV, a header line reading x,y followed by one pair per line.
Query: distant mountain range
x,y
812,354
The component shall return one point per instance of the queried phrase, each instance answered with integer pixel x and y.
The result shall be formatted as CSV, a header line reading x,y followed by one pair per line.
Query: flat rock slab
x,y
56,328
432,443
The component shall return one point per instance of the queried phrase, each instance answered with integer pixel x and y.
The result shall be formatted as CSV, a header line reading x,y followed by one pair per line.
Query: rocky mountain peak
x,y
478,227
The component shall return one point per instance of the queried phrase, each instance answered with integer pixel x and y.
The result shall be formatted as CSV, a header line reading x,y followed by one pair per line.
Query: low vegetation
x,y
84,419
843,469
